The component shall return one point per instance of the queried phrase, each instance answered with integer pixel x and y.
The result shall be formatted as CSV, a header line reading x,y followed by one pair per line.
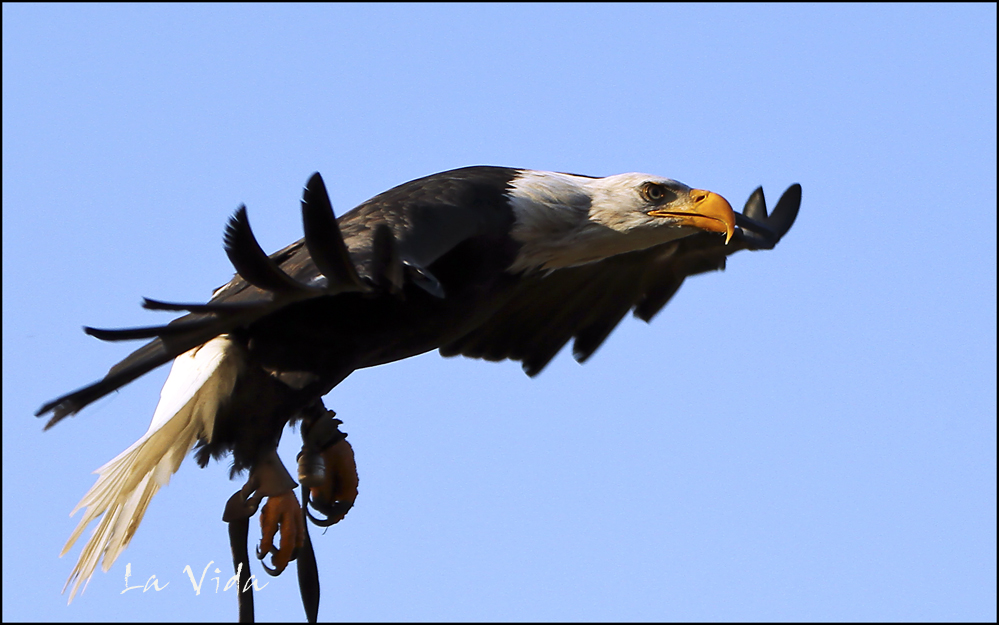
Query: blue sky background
x,y
809,435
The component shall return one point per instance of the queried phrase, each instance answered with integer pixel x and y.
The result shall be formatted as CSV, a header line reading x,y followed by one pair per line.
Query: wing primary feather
x,y
173,340
250,261
552,334
324,239
786,211
221,308
756,206
593,335
141,361
656,298
755,230
130,334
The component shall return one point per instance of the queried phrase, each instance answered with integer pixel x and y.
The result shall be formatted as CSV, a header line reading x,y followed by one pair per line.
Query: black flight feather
x,y
174,328
223,308
756,206
250,261
786,211
324,239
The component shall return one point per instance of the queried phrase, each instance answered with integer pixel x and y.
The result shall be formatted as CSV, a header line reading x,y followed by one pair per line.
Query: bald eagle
x,y
486,262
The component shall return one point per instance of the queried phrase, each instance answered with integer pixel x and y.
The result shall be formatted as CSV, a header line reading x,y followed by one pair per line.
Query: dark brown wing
x,y
586,303
389,238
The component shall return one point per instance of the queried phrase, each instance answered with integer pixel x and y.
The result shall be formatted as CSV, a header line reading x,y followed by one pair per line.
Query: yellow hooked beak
x,y
708,211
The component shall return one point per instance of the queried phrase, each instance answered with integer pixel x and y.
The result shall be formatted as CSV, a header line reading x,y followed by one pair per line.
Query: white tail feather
x,y
199,381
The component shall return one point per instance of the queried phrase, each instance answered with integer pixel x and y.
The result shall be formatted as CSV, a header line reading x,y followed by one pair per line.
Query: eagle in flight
x,y
486,262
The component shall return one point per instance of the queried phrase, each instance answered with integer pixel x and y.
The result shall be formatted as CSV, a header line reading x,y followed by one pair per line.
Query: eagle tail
x,y
199,381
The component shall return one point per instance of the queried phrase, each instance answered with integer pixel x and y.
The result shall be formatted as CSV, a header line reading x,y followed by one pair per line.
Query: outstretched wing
x,y
587,302
260,287
379,245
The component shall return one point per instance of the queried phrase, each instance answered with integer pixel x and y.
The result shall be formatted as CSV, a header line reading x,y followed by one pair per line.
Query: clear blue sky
x,y
829,456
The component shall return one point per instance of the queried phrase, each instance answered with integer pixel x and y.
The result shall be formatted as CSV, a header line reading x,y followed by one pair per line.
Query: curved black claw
x,y
330,520
274,571
306,500
327,522
334,512
260,556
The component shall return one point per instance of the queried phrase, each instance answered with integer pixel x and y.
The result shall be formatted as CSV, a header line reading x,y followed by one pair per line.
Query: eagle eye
x,y
657,193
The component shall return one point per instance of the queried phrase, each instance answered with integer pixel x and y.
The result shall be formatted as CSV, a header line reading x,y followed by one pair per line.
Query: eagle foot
x,y
336,495
281,514
326,467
